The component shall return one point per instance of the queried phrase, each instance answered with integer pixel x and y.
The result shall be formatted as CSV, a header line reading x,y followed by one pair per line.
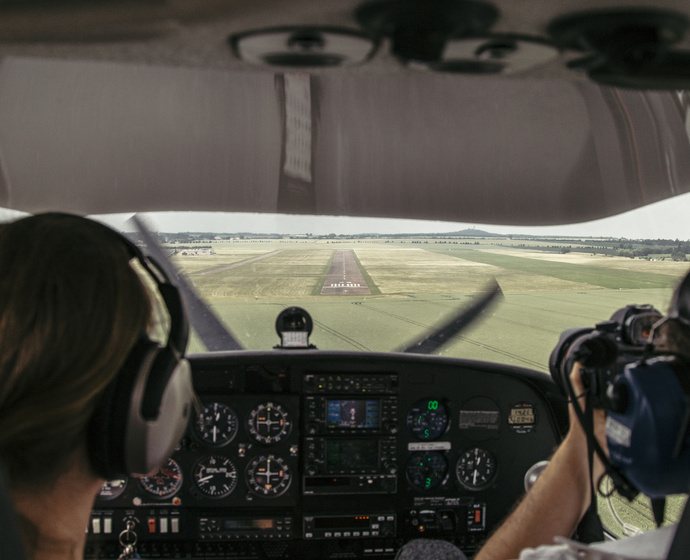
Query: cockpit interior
x,y
532,114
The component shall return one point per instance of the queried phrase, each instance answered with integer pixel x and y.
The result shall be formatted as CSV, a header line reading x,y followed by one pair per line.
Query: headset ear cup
x,y
150,441
108,428
643,439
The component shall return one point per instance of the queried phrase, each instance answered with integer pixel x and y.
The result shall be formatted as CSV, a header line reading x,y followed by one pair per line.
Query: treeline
x,y
678,250
676,255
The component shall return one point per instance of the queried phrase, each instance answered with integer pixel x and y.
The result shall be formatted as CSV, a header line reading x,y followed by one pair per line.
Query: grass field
x,y
416,285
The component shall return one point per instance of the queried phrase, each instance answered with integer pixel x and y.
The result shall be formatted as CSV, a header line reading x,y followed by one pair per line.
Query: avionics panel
x,y
307,454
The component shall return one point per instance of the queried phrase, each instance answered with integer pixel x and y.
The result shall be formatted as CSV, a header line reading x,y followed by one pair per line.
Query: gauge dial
x,y
268,476
217,424
215,476
165,482
111,489
269,423
427,470
476,469
428,419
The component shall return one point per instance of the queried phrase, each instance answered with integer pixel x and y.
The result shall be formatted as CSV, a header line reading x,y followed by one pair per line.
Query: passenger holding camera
x,y
639,420
629,406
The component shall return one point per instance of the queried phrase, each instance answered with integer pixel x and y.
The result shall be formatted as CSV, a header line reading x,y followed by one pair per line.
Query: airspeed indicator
x,y
217,424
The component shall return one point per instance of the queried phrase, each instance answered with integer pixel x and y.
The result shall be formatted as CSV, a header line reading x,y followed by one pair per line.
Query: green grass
x,y
415,286
592,275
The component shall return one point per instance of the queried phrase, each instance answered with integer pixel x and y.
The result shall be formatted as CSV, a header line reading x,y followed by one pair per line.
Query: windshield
x,y
379,285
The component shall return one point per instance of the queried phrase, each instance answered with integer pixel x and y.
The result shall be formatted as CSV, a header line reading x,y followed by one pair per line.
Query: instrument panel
x,y
309,454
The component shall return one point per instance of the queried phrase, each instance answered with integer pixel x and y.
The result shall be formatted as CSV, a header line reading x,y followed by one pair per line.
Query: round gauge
x,y
215,476
476,469
269,423
165,482
216,425
268,476
427,469
111,489
428,419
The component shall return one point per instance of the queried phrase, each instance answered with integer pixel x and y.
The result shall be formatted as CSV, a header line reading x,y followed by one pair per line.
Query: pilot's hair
x,y
71,308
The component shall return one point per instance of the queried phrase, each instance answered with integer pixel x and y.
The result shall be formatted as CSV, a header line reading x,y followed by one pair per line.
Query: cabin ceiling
x,y
109,106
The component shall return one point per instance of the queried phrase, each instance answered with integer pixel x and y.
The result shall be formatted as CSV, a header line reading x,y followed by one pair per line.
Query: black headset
x,y
144,411
647,407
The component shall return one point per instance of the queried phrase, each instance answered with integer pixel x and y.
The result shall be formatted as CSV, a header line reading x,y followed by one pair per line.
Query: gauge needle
x,y
474,478
215,431
205,478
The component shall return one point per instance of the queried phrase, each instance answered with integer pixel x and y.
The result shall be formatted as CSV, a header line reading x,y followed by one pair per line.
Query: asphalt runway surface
x,y
344,277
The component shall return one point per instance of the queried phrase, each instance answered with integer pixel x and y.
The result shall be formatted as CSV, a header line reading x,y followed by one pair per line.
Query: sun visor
x,y
102,137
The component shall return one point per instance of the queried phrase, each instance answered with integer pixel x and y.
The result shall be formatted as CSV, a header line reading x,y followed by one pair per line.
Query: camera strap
x,y
590,528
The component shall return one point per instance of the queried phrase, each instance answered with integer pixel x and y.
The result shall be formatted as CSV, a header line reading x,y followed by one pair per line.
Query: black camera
x,y
603,352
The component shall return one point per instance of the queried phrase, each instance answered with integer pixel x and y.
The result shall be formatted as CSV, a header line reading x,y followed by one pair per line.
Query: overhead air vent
x,y
303,47
83,21
495,54
419,30
630,48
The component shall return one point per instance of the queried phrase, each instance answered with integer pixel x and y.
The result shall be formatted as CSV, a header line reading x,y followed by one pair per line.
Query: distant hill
x,y
473,233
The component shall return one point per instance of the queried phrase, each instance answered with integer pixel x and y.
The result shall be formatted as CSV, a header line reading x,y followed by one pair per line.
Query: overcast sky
x,y
668,219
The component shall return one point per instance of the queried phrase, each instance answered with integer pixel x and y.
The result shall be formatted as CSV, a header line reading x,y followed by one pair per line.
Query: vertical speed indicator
x,y
427,419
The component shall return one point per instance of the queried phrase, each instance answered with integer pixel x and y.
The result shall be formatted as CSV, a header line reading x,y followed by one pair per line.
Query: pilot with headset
x,y
86,394
640,437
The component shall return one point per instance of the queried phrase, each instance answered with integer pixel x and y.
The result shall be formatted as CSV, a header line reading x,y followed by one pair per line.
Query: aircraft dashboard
x,y
310,454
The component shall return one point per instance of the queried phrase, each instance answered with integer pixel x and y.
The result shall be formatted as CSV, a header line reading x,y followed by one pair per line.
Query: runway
x,y
344,277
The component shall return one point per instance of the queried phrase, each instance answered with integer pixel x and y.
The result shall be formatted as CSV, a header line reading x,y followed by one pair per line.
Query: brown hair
x,y
71,308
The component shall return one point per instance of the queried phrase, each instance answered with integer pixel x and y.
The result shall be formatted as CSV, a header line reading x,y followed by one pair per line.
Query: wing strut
x,y
445,332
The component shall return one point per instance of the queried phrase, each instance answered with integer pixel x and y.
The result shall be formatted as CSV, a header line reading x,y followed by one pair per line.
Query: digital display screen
x,y
353,413
360,455
326,481
522,416
248,524
350,522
